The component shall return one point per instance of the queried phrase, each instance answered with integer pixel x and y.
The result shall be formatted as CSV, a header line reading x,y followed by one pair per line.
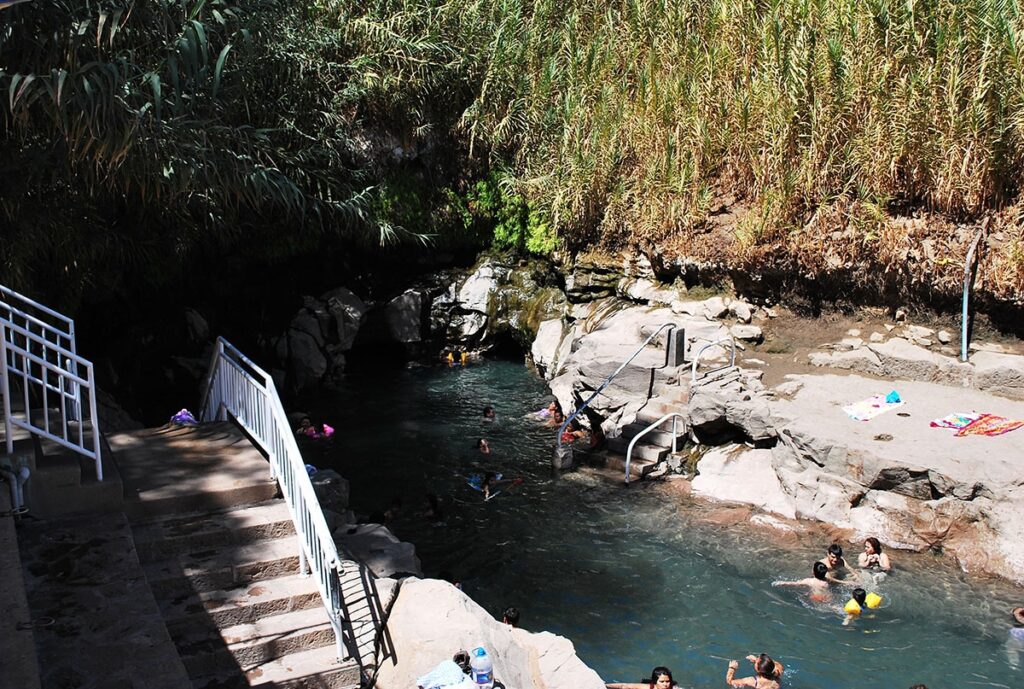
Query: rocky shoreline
x,y
796,452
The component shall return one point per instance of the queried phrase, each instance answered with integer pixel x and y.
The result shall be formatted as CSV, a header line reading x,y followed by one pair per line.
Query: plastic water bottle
x,y
482,670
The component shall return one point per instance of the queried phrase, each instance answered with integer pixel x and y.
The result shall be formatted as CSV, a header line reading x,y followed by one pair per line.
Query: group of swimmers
x,y
767,675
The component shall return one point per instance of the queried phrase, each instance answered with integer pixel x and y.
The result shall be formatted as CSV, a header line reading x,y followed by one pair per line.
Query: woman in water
x,y
661,678
483,446
873,557
767,673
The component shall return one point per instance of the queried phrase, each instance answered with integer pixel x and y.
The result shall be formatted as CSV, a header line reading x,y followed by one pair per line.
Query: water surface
x,y
642,576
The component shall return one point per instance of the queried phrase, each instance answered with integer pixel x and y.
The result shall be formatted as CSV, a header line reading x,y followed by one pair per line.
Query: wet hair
x,y
657,672
462,660
836,549
819,570
480,442
859,595
875,545
511,616
488,410
919,686
765,666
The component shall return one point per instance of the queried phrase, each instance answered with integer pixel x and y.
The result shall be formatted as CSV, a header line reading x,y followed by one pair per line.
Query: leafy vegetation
x,y
144,130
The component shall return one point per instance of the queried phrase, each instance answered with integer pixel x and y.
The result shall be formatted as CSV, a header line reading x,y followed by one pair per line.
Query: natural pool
x,y
639,577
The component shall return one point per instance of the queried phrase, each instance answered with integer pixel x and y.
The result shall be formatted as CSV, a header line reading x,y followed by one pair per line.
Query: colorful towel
x,y
956,420
873,406
990,425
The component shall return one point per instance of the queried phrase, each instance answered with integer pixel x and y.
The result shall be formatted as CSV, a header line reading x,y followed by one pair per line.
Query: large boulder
x,y
734,473
432,620
546,346
404,316
311,351
1000,374
591,280
377,548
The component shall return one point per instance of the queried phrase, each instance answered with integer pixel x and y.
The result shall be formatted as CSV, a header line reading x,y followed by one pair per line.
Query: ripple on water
x,y
640,577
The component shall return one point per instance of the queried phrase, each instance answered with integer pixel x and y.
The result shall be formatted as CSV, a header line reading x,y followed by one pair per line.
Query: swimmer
x,y
767,673
489,414
547,412
305,427
483,446
873,557
661,678
510,616
1015,639
557,419
834,562
434,513
818,583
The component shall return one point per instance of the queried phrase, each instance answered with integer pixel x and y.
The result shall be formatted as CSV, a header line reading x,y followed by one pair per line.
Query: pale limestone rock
x,y
431,620
901,359
377,548
944,337
404,316
545,347
876,337
849,343
733,473
688,308
742,311
476,291
853,332
749,333
715,307
1000,374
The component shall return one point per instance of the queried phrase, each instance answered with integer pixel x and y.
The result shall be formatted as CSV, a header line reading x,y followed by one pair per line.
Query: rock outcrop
x,y
432,620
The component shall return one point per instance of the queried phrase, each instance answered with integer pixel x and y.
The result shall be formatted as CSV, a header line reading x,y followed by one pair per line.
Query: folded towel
x,y
447,675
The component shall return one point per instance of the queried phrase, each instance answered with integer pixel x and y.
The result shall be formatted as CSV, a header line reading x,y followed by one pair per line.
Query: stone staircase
x,y
220,554
227,584
654,447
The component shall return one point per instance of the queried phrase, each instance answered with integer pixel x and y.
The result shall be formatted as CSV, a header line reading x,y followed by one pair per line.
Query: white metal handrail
x,y
717,343
600,388
57,377
18,309
238,386
675,416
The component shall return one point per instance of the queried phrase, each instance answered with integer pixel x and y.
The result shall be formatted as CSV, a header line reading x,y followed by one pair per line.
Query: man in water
x,y
1015,639
834,562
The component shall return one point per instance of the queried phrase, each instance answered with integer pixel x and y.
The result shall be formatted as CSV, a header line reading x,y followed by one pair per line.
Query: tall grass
x,y
633,116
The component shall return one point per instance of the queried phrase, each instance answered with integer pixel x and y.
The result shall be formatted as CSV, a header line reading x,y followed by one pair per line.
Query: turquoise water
x,y
642,576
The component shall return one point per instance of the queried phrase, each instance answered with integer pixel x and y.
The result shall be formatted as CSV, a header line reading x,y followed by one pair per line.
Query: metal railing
x,y
47,325
38,358
600,388
675,416
237,386
717,343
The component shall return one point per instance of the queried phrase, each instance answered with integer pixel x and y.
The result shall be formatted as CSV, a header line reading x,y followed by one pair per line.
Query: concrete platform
x,y
106,629
17,648
190,469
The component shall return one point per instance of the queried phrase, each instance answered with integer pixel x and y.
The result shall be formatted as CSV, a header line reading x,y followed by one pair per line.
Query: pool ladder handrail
x,y
717,343
600,388
675,416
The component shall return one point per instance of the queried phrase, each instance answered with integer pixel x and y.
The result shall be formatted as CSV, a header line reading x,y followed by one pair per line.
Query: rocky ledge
x,y
791,450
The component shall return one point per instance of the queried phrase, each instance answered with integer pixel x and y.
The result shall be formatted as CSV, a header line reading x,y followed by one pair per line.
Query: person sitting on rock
x,y
510,616
873,557
767,673
818,583
661,678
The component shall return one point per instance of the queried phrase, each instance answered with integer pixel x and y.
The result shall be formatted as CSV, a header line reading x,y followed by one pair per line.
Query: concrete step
x,y
241,605
208,650
604,459
640,451
209,570
657,408
65,483
169,536
661,437
317,668
178,470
